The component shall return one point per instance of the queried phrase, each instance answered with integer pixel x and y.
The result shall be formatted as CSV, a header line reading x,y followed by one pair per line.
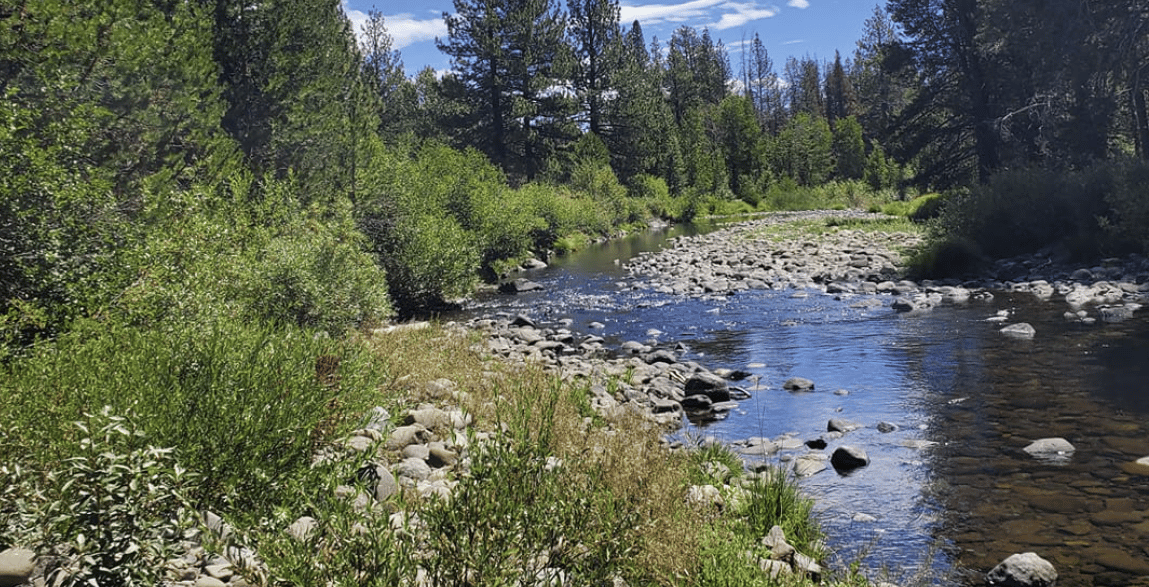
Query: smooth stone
x,y
798,384
886,427
416,469
1020,330
519,286
807,465
861,518
406,435
840,425
386,485
1023,570
302,528
849,457
441,456
1050,446
16,566
206,581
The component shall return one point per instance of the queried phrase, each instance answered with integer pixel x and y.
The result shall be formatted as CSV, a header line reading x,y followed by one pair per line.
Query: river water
x,y
950,492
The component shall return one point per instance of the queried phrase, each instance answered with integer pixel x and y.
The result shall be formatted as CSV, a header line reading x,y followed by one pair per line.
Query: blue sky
x,y
795,28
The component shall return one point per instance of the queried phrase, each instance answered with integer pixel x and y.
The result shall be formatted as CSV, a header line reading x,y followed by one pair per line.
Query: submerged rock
x,y
1019,330
1023,570
798,384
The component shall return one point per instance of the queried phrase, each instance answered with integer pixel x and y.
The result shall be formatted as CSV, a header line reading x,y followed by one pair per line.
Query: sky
x,y
797,28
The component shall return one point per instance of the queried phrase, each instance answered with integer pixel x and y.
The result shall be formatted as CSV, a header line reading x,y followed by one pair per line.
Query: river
x,y
943,514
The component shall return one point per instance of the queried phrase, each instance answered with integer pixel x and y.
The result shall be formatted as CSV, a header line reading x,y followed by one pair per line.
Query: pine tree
x,y
509,56
594,27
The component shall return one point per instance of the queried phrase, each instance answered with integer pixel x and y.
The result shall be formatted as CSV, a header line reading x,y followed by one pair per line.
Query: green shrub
x,y
1024,210
114,513
243,402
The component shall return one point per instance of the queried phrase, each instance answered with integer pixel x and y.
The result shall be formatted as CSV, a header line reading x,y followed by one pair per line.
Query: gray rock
x,y
16,566
1050,446
519,286
846,458
664,406
429,417
416,469
533,264
1023,570
696,402
798,384
385,484
840,425
406,435
810,464
1019,330
378,419
206,581
886,427
708,384
1113,314
416,451
441,456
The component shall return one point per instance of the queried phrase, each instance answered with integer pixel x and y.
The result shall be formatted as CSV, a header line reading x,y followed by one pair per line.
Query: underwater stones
x,y
1023,570
1021,330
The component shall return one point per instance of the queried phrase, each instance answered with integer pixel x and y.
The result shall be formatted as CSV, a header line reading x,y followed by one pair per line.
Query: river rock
x,y
518,286
887,427
847,458
708,384
809,464
1019,330
406,435
1050,446
209,581
840,425
1023,570
798,384
697,402
16,566
533,264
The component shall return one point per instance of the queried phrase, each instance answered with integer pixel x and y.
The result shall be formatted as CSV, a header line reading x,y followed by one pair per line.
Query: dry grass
x,y
624,455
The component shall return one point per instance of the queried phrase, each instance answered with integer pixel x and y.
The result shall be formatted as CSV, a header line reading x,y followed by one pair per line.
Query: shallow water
x,y
952,510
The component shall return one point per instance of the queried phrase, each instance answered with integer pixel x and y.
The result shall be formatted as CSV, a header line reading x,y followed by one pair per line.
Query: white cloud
x,y
405,29
729,14
650,14
799,3
741,14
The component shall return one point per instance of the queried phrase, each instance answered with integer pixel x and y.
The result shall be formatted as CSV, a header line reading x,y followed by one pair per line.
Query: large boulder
x,y
847,458
1023,570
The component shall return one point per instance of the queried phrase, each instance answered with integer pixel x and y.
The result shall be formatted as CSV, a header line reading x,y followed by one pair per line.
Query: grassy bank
x,y
227,418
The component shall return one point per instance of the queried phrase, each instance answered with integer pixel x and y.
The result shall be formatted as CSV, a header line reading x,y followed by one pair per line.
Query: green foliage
x,y
348,546
1024,210
243,402
114,513
555,521
849,149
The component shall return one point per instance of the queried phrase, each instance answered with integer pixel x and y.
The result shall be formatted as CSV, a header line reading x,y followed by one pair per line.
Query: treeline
x,y
1031,113
223,160
529,80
